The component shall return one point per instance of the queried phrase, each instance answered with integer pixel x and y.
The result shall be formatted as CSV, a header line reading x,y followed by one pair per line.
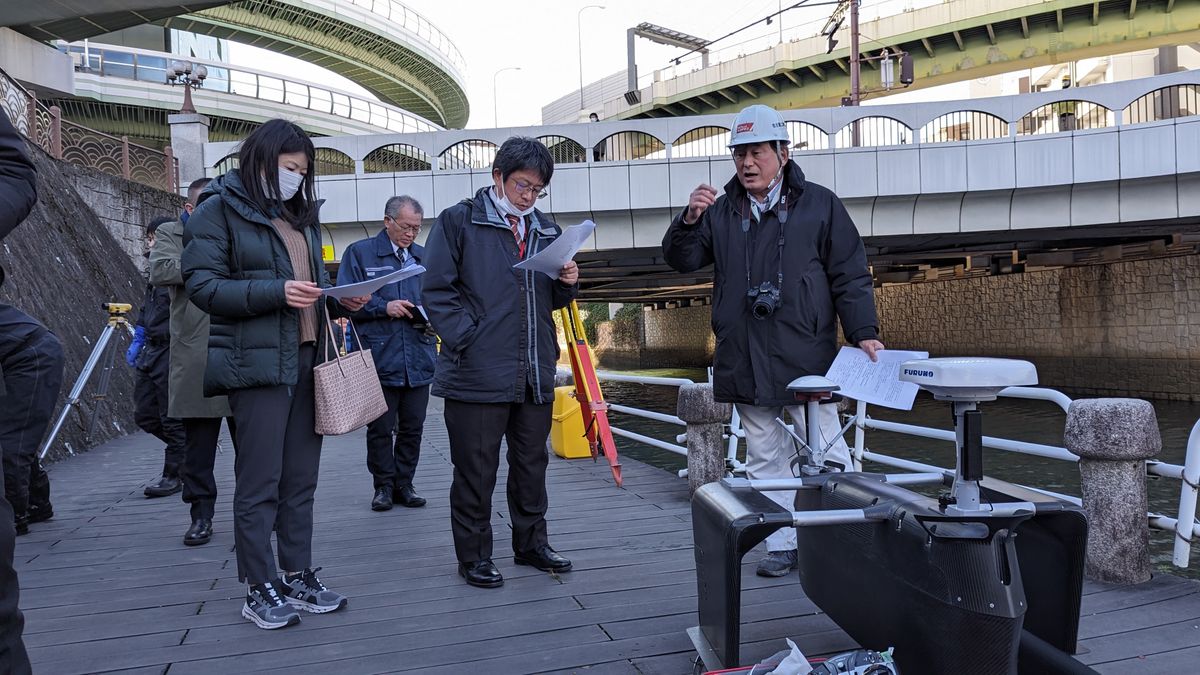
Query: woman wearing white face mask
x,y
252,260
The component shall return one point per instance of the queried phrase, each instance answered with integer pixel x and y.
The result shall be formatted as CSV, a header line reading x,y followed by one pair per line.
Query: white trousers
x,y
769,453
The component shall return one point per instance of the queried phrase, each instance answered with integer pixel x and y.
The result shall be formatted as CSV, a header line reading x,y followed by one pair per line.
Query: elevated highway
x,y
968,187
383,45
950,42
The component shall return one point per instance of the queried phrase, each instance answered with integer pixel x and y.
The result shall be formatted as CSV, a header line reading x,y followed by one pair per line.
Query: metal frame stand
x,y
105,350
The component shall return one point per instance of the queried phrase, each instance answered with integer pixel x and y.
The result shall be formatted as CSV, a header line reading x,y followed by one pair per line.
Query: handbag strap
x,y
333,340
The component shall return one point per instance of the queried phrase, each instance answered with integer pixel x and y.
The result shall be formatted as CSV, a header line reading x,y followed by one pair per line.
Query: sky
x,y
543,40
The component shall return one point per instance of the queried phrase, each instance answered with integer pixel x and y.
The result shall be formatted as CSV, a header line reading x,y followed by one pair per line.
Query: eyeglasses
x,y
404,229
526,188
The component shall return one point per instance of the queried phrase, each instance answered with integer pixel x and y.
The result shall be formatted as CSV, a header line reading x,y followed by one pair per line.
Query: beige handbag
x,y
348,393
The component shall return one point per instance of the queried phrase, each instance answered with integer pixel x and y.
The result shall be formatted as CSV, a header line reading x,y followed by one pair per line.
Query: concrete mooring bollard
x,y
1113,438
706,447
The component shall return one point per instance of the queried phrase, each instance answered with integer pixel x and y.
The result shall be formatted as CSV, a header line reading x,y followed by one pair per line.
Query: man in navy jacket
x,y
403,346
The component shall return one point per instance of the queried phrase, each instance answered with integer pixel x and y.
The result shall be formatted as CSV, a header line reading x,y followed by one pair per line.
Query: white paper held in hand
x,y
369,286
877,383
550,260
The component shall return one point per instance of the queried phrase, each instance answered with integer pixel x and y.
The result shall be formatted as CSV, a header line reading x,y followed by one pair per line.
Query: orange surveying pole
x,y
587,391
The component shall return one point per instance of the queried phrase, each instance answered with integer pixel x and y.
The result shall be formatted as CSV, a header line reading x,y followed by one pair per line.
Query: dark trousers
x,y
393,465
278,458
199,457
13,658
150,406
475,430
32,374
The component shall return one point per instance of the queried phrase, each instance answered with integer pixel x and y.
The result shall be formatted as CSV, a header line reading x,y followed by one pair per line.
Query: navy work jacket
x,y
404,355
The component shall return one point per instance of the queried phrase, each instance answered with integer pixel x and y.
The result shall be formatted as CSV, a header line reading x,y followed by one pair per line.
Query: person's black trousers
x,y
278,458
394,465
150,406
200,455
13,658
32,371
475,430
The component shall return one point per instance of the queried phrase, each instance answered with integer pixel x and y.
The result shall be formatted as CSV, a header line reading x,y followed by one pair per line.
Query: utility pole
x,y
855,64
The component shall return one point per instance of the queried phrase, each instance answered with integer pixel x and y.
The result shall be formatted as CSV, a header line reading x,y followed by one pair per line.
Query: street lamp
x,y
495,108
182,72
579,33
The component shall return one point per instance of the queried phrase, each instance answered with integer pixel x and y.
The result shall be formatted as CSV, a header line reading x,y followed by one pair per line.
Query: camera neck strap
x,y
783,215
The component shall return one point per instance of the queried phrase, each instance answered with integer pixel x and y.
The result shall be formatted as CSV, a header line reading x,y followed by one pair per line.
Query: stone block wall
x,y
125,207
1118,329
64,261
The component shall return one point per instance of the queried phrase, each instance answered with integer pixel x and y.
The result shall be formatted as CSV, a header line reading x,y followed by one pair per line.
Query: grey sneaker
x,y
777,563
305,591
267,608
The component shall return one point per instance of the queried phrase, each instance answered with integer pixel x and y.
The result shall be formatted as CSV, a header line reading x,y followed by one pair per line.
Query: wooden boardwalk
x,y
107,586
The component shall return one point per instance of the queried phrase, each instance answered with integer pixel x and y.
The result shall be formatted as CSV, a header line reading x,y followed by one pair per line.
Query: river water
x,y
1034,421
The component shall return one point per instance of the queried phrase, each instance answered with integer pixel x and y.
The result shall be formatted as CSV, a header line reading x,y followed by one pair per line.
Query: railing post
x,y
169,167
31,117
125,157
706,448
1113,438
56,132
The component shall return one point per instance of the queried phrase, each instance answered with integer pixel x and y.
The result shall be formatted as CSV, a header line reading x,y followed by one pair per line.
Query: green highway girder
x,y
1151,27
394,73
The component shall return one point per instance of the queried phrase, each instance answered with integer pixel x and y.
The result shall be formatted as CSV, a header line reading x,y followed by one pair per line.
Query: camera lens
x,y
761,310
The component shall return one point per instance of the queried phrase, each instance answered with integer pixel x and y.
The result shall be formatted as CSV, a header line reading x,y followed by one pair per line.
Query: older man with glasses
x,y
393,326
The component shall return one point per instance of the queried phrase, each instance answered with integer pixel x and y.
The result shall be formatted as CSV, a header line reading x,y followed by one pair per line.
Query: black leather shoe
x,y
199,533
382,500
544,558
407,496
40,513
482,574
22,524
165,487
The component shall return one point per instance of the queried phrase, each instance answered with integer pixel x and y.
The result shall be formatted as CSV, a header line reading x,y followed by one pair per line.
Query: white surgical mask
x,y
509,208
289,183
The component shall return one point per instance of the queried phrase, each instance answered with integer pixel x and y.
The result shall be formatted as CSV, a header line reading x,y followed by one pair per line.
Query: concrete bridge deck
x,y
107,585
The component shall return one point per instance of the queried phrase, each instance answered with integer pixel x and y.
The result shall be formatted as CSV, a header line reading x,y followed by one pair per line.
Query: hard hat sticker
x,y
744,127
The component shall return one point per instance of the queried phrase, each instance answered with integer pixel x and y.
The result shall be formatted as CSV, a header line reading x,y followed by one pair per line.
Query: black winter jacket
x,y
18,180
825,277
235,266
496,323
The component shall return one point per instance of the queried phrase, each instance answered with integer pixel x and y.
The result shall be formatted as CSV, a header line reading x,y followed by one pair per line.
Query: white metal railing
x,y
412,21
674,448
1188,473
150,66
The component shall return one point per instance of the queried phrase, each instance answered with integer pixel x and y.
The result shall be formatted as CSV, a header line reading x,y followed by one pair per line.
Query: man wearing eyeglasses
x,y
402,345
499,347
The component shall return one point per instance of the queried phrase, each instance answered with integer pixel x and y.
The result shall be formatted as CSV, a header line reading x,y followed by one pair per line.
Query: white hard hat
x,y
757,124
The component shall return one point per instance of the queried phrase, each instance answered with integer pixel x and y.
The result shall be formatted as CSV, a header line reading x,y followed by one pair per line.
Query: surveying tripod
x,y
105,350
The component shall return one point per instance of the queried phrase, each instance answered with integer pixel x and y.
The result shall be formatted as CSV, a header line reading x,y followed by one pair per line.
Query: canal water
x,y
1033,421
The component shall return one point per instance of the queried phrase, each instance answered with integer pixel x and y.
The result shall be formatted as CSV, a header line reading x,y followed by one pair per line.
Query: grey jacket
x,y
189,332
825,277
496,323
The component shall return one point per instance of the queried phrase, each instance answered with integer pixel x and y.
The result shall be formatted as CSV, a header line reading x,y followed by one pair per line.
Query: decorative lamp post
x,y
191,77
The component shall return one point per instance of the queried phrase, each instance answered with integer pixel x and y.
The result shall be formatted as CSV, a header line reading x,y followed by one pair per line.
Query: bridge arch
x,y
625,146
474,153
964,125
1065,115
706,141
330,162
1180,100
564,150
396,158
874,131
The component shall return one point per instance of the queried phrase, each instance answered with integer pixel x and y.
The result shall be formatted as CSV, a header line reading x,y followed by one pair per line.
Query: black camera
x,y
763,300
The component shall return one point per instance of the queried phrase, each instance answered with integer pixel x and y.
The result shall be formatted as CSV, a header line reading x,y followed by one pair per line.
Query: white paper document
x,y
371,285
549,261
876,383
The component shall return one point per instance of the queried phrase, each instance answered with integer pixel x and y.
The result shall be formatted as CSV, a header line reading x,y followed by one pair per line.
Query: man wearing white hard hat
x,y
788,263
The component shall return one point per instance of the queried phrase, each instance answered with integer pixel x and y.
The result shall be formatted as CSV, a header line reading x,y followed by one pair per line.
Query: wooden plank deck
x,y
107,586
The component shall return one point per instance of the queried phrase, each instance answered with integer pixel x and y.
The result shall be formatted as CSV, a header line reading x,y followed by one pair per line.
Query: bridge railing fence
x,y
84,147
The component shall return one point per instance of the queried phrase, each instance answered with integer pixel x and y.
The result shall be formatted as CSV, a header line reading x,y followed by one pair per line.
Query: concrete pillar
x,y
706,448
1113,438
189,133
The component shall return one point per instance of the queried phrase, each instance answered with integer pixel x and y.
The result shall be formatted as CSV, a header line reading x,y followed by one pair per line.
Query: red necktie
x,y
515,224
